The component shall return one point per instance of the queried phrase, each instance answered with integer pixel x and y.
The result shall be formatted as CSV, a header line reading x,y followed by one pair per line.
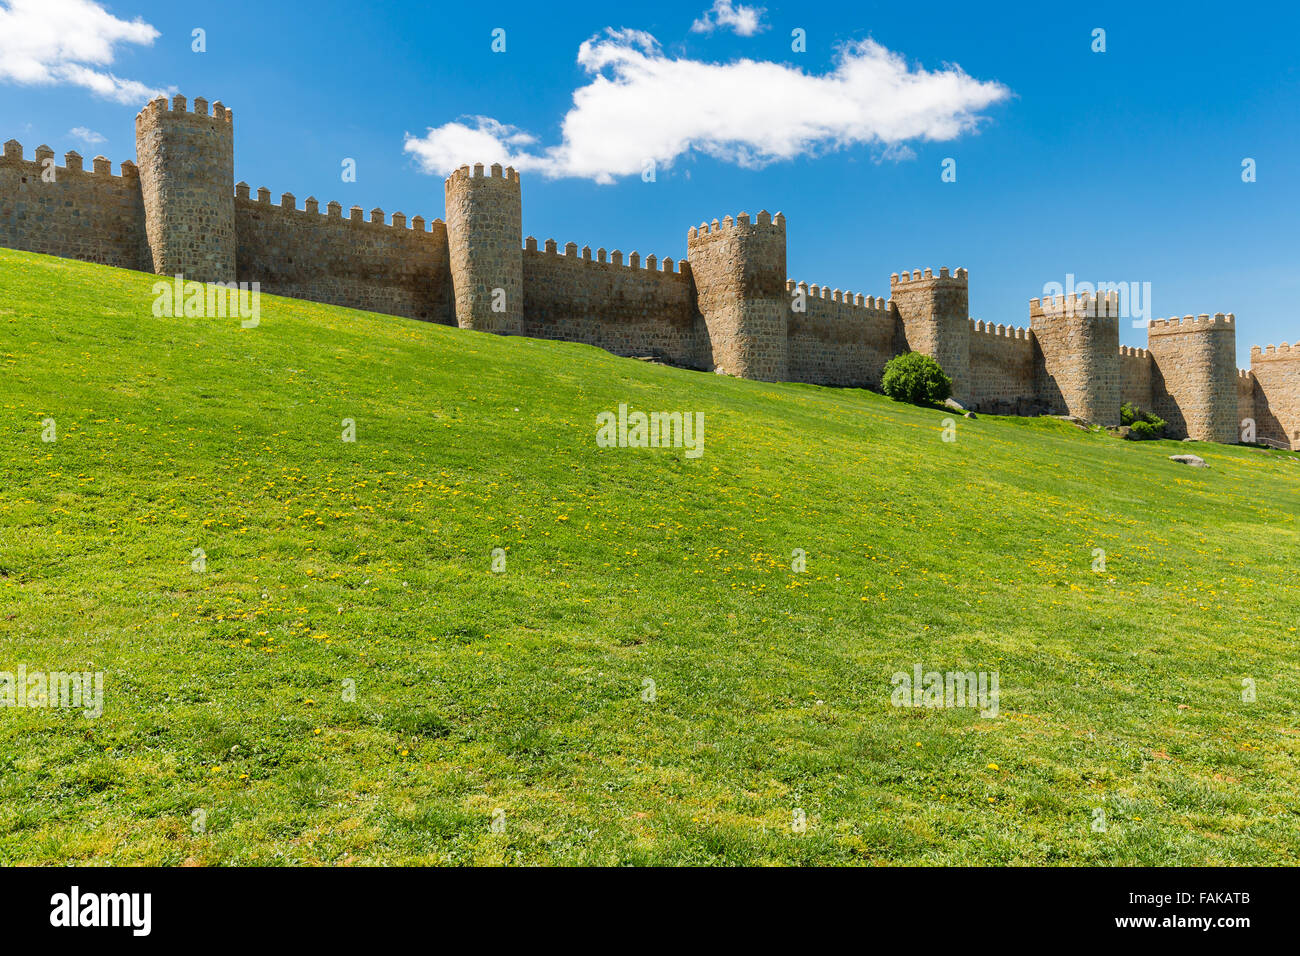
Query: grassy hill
x,y
332,565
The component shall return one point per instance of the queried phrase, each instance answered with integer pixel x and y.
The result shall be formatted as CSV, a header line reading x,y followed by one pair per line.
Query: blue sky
x,y
1122,166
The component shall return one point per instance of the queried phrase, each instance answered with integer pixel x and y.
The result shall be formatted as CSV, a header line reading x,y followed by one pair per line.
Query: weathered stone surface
x,y
1274,380
484,233
348,262
94,217
838,339
1074,420
739,272
935,319
1135,372
187,163
1195,376
1077,356
626,310
1001,367
1194,460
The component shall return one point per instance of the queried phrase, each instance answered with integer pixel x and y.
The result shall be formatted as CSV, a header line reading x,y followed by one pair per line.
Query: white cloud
x,y
480,140
46,42
86,135
641,105
744,21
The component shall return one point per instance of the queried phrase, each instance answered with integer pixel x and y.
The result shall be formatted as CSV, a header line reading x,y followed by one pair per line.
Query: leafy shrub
x,y
1143,431
916,378
1145,426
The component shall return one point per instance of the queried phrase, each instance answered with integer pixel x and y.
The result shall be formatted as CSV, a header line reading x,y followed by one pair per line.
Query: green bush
x,y
1144,425
916,378
1143,431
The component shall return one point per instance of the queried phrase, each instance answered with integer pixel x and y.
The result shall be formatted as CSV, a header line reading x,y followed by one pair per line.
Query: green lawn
x,y
367,564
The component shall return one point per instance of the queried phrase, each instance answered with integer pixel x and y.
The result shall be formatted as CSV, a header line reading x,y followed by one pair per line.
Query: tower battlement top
x,y
159,106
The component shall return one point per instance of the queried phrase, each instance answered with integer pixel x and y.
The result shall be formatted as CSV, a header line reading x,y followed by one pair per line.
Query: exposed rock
x,y
970,415
954,404
1194,460
1075,420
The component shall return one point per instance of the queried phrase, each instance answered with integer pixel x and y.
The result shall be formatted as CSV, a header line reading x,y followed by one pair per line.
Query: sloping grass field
x,y
308,658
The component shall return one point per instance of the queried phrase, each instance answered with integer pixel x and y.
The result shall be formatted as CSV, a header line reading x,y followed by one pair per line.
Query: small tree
x,y
916,378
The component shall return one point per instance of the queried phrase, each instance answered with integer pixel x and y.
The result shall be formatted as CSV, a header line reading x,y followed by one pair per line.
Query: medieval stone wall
x,y
69,211
836,338
1135,368
632,309
1246,391
1277,394
353,262
1001,368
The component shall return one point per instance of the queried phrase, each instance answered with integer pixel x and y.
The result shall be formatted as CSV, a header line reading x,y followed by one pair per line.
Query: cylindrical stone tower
x,y
484,239
187,176
1195,382
934,316
739,273
1076,362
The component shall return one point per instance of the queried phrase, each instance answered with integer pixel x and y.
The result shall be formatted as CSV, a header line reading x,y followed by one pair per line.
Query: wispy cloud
x,y
740,19
86,135
643,106
48,42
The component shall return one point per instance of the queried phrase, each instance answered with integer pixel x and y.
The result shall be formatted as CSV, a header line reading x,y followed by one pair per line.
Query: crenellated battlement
x,y
1128,351
159,107
853,300
651,263
1014,332
478,171
1204,322
1086,305
1283,351
742,223
72,162
288,206
928,275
